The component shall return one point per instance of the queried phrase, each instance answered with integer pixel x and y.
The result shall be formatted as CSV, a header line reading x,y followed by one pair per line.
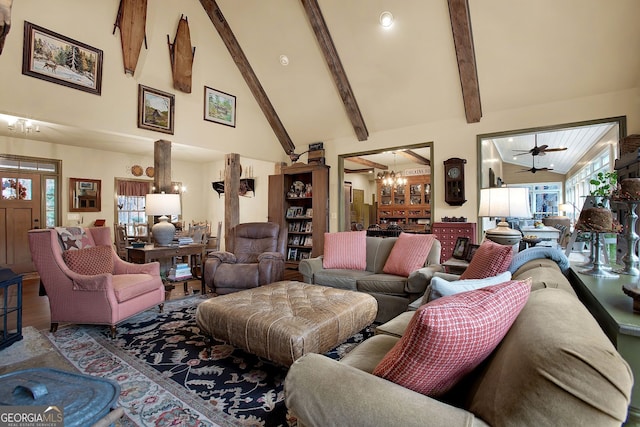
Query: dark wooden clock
x,y
454,181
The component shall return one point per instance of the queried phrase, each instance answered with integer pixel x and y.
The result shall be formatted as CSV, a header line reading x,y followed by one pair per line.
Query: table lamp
x,y
504,202
162,204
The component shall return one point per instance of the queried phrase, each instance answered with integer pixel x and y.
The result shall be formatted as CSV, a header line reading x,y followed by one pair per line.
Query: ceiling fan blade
x,y
542,147
548,150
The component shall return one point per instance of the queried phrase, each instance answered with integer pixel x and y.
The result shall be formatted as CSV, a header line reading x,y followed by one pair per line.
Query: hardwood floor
x,y
35,308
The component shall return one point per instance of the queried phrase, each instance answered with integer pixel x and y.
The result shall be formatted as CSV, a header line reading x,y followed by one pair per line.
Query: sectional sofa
x,y
554,367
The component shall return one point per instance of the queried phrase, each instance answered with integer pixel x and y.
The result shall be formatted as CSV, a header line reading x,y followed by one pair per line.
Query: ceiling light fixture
x,y
386,19
22,126
284,60
394,178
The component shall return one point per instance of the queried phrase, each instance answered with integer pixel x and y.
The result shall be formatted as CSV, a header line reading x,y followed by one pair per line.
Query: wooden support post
x,y
162,166
231,196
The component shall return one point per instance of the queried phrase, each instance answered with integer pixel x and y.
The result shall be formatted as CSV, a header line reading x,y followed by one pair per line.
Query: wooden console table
x,y
165,255
614,312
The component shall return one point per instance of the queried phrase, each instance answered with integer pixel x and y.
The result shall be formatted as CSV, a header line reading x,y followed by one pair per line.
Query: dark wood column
x,y
231,197
162,166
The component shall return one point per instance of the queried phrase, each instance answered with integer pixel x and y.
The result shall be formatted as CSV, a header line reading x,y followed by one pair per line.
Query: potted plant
x,y
605,184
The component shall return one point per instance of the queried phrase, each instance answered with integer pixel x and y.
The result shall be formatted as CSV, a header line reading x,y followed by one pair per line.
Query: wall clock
x,y
454,181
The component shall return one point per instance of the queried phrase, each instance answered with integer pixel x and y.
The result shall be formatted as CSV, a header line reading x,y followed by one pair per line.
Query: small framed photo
x,y
155,109
58,59
460,249
308,227
219,107
309,213
291,212
471,250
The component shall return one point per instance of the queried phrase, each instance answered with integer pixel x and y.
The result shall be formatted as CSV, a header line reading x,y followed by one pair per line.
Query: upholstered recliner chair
x,y
87,282
254,256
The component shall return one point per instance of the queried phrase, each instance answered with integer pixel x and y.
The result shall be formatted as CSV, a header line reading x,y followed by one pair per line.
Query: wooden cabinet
x,y
447,234
407,205
299,201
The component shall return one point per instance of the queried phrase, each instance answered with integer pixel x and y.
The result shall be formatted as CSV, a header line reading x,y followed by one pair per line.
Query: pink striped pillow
x,y
408,254
449,337
489,260
345,249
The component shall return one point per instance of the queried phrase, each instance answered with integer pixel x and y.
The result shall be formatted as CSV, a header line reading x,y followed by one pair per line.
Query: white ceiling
x,y
577,141
527,52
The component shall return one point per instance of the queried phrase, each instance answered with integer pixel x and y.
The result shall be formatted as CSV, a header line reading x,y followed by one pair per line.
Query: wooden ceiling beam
x,y
365,170
330,52
366,162
412,155
467,68
230,41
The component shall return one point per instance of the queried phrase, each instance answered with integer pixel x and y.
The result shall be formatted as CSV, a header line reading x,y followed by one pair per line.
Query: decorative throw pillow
x,y
447,338
74,238
408,254
443,288
489,260
345,249
89,261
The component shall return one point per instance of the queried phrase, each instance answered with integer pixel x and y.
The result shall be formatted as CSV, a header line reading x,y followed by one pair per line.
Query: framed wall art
x,y
219,107
58,59
155,109
460,249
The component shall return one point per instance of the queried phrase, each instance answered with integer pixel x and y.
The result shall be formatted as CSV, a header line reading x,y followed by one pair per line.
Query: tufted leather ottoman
x,y
285,320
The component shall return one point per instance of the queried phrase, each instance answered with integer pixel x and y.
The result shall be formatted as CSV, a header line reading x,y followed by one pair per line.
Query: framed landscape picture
x,y
219,107
58,59
155,109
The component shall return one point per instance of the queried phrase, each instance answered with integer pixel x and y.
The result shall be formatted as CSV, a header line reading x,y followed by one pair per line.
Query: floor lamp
x,y
504,202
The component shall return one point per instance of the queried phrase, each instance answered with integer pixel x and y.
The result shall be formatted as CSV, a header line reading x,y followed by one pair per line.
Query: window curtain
x,y
133,188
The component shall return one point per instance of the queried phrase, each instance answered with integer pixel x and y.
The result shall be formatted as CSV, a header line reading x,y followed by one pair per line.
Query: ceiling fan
x,y
534,169
539,151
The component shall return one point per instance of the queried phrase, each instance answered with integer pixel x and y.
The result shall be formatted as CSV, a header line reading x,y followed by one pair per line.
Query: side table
x,y
455,265
10,307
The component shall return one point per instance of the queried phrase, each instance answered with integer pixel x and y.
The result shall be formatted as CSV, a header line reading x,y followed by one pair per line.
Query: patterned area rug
x,y
167,377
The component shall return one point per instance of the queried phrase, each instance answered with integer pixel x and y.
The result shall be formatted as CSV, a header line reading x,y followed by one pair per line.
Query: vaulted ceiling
x,y
526,52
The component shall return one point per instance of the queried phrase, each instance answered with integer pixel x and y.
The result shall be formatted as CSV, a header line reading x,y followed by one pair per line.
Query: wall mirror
x,y
358,174
84,195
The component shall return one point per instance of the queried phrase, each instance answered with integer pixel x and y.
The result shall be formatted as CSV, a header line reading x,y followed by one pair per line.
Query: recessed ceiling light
x,y
386,19
284,60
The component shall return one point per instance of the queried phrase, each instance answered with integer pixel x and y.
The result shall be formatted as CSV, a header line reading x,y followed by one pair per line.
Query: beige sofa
x,y
393,293
555,367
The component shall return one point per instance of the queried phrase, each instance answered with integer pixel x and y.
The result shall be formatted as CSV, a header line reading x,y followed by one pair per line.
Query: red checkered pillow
x,y
447,338
345,249
89,261
489,260
408,254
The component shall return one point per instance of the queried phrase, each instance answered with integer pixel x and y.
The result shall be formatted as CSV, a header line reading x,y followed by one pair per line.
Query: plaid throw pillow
x,y
489,260
345,249
447,338
89,261
408,254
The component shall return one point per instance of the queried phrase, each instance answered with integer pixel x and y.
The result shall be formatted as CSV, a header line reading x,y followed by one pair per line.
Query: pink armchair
x,y
83,297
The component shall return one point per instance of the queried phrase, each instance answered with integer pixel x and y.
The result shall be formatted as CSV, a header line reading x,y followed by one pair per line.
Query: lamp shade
x,y
504,202
162,204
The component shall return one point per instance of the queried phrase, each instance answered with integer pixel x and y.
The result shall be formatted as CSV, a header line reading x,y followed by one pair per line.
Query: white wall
x,y
456,138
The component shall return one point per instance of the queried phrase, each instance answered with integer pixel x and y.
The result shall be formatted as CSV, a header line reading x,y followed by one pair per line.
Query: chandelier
x,y
392,178
22,126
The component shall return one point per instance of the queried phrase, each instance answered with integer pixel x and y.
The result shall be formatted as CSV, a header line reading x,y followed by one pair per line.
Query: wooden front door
x,y
19,213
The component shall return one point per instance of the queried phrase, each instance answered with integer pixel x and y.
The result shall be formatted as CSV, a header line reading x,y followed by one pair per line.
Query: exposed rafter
x,y
366,162
229,39
335,65
412,155
365,170
463,40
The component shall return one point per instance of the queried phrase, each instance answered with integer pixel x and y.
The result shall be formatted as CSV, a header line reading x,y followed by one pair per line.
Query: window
x,y
543,198
578,186
130,206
